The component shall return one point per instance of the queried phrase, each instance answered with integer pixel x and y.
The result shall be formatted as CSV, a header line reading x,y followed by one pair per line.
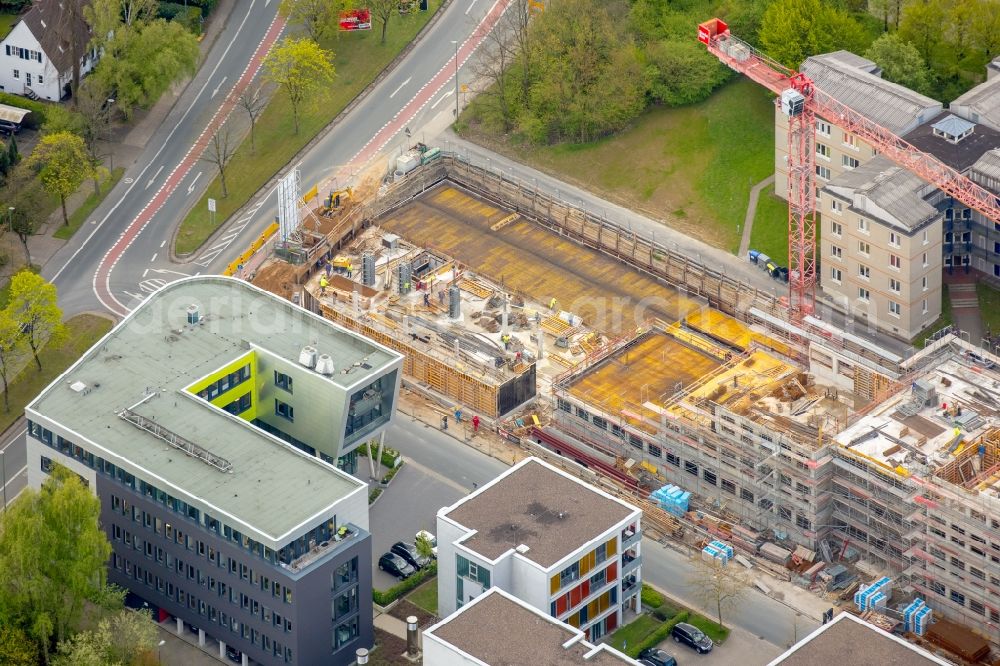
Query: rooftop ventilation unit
x,y
307,356
324,365
193,314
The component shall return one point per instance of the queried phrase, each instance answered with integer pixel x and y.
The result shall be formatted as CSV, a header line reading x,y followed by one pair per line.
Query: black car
x,y
656,657
692,636
234,655
409,553
396,565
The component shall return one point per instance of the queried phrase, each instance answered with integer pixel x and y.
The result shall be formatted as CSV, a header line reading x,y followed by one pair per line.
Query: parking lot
x,y
438,470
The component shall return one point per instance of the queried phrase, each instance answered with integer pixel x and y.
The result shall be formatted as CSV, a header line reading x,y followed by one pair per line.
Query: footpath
x,y
126,143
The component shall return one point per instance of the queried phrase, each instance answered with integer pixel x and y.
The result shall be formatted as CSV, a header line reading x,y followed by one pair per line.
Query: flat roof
x,y
499,630
148,359
850,640
539,506
961,155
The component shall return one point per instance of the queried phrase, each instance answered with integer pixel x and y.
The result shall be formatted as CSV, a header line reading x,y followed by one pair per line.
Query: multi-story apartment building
x,y
496,628
906,221
191,422
558,544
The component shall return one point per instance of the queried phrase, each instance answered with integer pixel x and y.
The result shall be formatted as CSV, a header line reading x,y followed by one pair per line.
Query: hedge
x,y
651,597
388,455
396,591
38,109
658,636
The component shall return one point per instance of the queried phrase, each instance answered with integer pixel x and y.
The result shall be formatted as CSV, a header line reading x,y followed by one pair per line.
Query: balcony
x,y
630,585
320,550
630,562
630,538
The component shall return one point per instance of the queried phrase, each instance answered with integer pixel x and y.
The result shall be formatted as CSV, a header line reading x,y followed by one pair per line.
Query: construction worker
x,y
328,268
444,422
505,339
323,284
475,424
427,299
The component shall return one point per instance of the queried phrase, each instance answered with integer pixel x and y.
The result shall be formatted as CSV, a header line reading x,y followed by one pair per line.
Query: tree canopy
x,y
900,62
793,30
33,306
300,67
62,164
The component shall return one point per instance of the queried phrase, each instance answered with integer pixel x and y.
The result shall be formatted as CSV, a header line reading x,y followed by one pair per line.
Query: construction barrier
x,y
237,265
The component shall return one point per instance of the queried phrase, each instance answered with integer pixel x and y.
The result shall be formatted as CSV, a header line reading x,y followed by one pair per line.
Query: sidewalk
x,y
127,143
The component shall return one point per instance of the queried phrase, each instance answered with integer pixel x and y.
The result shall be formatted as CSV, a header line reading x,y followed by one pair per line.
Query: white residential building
x,y
36,56
558,544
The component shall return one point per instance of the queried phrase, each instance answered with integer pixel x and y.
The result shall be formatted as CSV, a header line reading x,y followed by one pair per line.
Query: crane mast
x,y
802,102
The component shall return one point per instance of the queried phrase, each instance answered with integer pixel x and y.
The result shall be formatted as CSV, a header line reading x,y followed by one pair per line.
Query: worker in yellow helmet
x,y
323,283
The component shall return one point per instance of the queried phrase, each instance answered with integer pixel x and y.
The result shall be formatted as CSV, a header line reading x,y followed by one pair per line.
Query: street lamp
x,y
455,42
159,651
111,154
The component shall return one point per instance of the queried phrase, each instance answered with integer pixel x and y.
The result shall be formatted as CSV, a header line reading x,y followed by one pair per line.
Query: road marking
x,y
469,8
153,179
442,98
144,273
154,257
13,439
112,255
216,91
129,180
191,186
399,88
163,243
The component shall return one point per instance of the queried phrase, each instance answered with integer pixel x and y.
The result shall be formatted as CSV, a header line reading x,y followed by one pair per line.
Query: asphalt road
x,y
13,456
156,188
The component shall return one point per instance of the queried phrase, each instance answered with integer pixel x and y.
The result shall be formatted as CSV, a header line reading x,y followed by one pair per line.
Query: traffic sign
x,y
211,205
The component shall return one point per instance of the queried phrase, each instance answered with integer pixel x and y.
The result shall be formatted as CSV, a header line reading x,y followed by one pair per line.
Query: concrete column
x,y
201,638
180,626
222,649
411,636
246,660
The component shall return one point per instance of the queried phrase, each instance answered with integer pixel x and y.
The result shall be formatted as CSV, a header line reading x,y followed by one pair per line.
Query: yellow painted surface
x,y
757,372
606,293
236,392
650,370
723,327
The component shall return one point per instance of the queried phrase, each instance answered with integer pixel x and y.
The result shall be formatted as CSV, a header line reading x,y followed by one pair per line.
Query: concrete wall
x,y
439,653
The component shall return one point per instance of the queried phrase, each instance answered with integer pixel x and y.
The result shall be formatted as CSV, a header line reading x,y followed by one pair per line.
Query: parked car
x,y
409,553
692,636
394,564
7,127
656,657
234,655
430,538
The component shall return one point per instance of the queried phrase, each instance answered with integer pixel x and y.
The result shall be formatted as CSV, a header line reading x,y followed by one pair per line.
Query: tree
x,y
300,67
499,51
682,72
140,63
116,640
11,352
383,10
72,28
253,103
16,648
13,156
900,62
320,18
62,164
93,111
719,586
793,30
33,306
424,547
24,225
922,24
53,554
220,151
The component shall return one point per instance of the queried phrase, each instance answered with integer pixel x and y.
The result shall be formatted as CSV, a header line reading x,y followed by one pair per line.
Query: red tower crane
x,y
801,101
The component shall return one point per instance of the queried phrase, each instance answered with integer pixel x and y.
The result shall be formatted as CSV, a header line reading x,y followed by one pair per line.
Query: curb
x,y
272,181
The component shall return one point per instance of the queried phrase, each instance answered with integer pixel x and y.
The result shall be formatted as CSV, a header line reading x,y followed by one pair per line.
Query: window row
x,y
226,383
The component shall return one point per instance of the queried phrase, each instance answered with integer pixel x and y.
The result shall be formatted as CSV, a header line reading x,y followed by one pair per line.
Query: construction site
x,y
814,453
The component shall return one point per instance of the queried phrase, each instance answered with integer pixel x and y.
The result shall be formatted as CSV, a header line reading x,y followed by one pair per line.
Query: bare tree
x,y
252,102
498,52
94,110
24,225
719,585
383,10
516,20
221,148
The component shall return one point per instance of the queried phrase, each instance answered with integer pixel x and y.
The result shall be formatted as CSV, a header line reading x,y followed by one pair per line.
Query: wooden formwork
x,y
439,376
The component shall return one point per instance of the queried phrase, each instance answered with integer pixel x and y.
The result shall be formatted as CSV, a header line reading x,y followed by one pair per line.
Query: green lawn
x,y
710,627
7,22
81,214
770,227
84,331
634,632
989,307
942,321
426,596
692,166
359,59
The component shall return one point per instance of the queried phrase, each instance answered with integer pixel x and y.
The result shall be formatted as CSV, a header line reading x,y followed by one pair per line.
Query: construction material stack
x,y
917,616
672,499
873,596
719,551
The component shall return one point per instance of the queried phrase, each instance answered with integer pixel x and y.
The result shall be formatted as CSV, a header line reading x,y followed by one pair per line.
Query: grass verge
x,y
691,166
81,214
944,320
83,332
426,596
712,629
7,22
770,227
989,307
634,633
359,58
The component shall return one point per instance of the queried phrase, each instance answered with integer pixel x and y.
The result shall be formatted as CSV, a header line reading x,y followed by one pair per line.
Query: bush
x,y
373,494
389,455
396,591
663,613
661,634
651,597
33,120
392,472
